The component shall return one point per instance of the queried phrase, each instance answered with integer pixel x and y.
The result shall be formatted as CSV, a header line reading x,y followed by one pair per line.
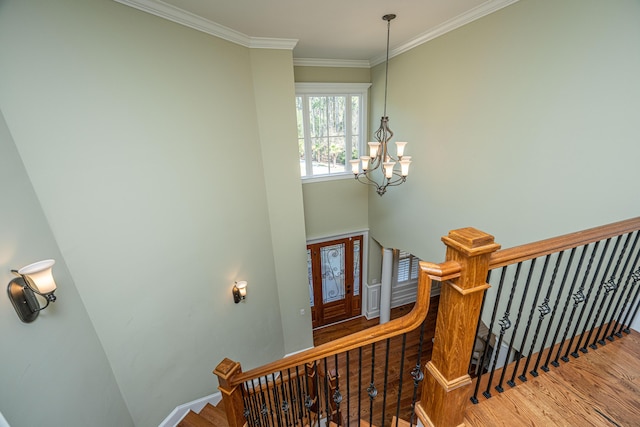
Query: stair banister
x,y
231,377
445,388
556,244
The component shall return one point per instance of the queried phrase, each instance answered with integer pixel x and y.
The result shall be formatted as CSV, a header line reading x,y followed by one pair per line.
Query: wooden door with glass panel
x,y
334,279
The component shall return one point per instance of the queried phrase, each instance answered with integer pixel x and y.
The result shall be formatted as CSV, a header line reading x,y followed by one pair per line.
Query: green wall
x,y
53,364
522,124
144,142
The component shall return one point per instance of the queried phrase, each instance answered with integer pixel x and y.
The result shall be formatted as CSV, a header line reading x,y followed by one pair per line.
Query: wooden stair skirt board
x,y
209,416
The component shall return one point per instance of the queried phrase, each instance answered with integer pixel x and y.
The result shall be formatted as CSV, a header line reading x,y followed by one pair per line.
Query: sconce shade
x,y
239,291
34,279
40,275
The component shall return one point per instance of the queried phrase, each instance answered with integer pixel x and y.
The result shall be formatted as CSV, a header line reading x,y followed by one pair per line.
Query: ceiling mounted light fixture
x,y
394,169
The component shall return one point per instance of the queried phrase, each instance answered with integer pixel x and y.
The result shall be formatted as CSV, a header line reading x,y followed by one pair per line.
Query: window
x,y
331,127
407,267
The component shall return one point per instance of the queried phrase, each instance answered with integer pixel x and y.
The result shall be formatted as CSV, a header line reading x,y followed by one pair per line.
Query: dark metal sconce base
x,y
236,295
23,299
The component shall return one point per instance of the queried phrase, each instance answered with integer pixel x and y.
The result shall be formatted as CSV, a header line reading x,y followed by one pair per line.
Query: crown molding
x,y
345,63
188,19
476,13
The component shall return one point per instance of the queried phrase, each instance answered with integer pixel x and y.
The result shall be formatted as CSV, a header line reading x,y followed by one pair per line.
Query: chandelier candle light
x,y
379,156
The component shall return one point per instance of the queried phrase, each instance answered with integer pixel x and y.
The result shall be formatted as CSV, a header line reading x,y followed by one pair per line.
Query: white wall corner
x,y
196,406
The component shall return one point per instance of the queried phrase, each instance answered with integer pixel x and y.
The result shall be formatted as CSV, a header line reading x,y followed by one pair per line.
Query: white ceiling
x,y
343,30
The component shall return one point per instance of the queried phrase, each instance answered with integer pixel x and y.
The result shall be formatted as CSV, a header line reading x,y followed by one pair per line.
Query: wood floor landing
x,y
601,388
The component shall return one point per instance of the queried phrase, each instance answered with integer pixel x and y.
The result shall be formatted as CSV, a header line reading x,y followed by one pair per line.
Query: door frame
x,y
365,256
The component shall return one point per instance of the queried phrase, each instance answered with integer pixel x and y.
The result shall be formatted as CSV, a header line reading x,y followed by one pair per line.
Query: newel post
x,y
231,394
445,389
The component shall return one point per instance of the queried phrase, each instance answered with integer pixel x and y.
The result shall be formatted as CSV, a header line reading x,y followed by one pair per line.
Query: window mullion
x,y
347,134
308,153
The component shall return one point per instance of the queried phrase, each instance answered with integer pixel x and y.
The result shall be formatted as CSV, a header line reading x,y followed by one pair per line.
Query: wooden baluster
x,y
446,385
231,395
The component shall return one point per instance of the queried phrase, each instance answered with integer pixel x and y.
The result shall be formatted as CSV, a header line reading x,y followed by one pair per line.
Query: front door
x,y
334,279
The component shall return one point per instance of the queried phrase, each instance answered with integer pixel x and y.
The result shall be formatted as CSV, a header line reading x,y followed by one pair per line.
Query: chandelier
x,y
394,169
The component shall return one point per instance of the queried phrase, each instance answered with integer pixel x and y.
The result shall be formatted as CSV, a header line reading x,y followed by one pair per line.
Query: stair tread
x,y
194,420
401,422
215,415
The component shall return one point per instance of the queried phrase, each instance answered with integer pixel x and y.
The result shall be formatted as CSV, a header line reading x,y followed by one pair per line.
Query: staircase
x,y
213,416
207,417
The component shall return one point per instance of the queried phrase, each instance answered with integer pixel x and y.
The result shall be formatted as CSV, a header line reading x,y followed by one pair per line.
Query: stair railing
x,y
281,401
553,299
444,392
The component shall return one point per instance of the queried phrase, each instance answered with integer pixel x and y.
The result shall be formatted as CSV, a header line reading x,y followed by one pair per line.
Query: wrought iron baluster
x,y
487,392
544,309
505,324
404,342
622,293
578,298
285,404
474,396
607,286
267,413
276,399
570,296
417,375
359,383
545,367
371,390
523,376
347,369
299,395
614,286
511,381
386,376
624,325
588,299
337,396
325,379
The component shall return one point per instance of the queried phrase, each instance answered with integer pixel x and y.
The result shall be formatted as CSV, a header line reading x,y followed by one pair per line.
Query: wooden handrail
x,y
556,244
359,339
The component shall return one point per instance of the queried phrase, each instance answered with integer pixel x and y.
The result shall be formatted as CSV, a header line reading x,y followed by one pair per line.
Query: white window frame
x,y
334,89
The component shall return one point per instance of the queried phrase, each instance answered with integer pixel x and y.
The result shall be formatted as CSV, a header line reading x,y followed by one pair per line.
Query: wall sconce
x,y
239,291
33,279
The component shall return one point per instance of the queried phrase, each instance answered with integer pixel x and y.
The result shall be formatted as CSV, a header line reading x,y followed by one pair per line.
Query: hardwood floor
x,y
601,388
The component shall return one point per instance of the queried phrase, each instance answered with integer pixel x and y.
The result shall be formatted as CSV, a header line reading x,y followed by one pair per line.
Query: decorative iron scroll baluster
x,y
337,396
511,381
624,325
588,300
523,376
544,309
300,395
607,287
265,411
505,324
285,399
621,294
417,375
404,342
371,390
570,296
487,392
276,400
545,367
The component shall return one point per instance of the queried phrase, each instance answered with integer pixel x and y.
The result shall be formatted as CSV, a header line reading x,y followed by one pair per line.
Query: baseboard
x,y
196,406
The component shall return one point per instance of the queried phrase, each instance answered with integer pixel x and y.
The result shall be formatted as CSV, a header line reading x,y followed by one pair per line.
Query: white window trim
x,y
361,89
